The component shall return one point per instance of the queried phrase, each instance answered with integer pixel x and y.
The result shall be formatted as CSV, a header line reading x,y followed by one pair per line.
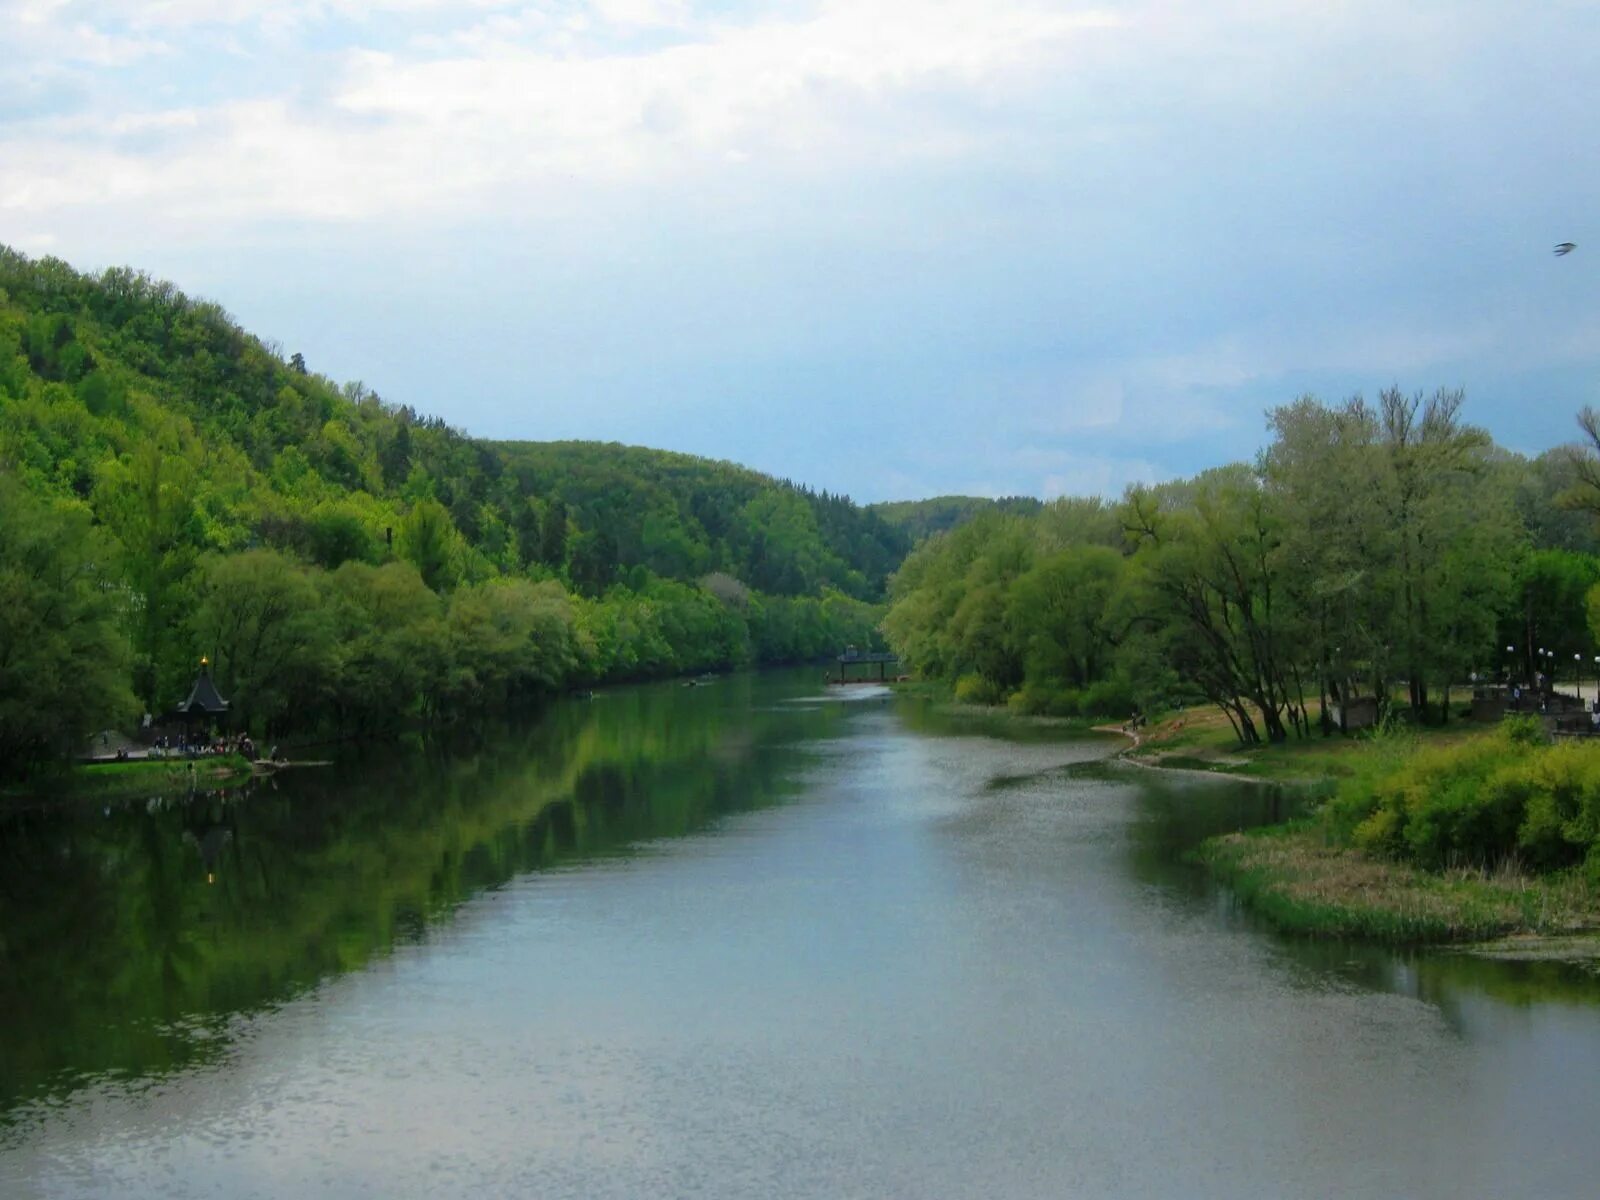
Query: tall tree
x,y
1211,574
553,535
63,656
428,541
269,633
148,501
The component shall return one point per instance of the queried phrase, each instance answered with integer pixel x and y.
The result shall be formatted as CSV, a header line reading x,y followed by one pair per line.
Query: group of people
x,y
182,747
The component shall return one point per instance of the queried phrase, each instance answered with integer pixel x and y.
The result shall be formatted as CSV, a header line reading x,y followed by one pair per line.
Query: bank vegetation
x,y
172,487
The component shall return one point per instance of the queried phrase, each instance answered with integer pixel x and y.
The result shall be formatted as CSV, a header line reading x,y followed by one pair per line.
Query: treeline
x,y
356,650
154,457
921,519
1370,548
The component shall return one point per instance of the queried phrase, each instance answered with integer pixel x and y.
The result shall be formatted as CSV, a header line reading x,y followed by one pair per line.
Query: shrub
x,y
1108,698
1037,699
975,689
1523,731
1478,802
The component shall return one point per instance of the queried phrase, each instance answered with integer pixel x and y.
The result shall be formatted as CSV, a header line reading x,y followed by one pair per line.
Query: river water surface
x,y
741,940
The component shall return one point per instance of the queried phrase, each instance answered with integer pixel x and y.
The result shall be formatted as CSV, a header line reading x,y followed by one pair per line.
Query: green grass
x,y
1302,882
1200,739
135,778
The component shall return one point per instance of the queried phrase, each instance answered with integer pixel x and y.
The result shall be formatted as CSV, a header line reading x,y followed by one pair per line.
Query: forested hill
x,y
94,360
680,516
919,519
171,456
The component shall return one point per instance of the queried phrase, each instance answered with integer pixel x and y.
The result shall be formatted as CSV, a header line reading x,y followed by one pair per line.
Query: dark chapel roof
x,y
203,696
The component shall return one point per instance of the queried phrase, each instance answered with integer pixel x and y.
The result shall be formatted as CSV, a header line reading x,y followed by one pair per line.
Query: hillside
x,y
179,461
90,365
680,516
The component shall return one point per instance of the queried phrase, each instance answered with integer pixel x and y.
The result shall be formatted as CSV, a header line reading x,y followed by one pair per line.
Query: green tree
x,y
270,636
336,532
1058,612
395,460
63,656
1210,579
147,499
391,644
428,541
553,535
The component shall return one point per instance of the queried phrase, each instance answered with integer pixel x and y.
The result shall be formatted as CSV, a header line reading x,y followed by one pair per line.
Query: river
x,y
752,938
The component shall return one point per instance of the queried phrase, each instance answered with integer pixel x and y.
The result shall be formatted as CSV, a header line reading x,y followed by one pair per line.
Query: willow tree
x,y
1454,540
1401,539
1325,477
1209,579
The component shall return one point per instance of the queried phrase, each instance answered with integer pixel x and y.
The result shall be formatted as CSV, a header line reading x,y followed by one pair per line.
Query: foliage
x,y
1368,543
63,656
1507,796
349,564
921,519
680,517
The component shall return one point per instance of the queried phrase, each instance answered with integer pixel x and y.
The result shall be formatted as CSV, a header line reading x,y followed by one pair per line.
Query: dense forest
x,y
172,487
1386,550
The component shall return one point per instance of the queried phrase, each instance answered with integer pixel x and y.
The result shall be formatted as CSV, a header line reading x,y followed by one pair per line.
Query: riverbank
x,y
146,777
1202,740
1301,881
937,696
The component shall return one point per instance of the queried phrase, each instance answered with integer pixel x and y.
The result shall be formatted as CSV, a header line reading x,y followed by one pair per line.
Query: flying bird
x,y
1566,248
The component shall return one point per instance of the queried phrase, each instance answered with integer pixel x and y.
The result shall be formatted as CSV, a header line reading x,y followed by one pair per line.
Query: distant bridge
x,y
853,657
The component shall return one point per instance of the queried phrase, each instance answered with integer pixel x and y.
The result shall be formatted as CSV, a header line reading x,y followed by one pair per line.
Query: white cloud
x,y
416,134
1126,226
644,14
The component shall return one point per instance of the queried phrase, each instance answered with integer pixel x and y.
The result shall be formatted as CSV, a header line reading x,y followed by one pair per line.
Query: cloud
x,y
1119,229
402,133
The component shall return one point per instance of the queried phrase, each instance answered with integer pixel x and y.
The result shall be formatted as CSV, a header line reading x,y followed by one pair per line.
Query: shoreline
x,y
1302,884
132,779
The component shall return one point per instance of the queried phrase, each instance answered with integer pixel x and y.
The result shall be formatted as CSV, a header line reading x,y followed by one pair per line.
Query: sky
x,y
888,248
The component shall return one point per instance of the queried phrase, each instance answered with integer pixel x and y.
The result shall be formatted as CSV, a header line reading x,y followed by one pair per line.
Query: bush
x,y
1108,698
975,689
1037,699
1523,731
1479,802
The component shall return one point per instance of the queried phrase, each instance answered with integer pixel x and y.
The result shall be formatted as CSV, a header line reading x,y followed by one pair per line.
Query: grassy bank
x,y
1202,740
143,777
1460,837
1302,882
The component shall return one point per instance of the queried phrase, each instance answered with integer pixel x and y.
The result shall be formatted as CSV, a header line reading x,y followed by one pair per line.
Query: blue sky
x,y
888,248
